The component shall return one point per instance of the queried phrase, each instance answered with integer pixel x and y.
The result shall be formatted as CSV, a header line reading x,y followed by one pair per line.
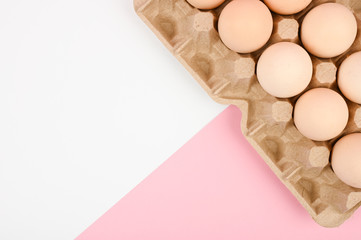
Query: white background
x,y
90,104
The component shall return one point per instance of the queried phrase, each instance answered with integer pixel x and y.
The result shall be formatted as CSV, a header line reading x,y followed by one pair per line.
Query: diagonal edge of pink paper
x,y
214,187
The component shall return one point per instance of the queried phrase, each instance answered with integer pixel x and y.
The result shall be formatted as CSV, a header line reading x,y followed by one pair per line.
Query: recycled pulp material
x,y
229,78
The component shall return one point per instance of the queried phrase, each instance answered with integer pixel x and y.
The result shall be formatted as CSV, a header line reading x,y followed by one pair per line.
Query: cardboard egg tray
x,y
229,78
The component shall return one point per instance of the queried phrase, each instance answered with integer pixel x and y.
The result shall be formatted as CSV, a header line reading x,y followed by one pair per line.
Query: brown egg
x,y
245,25
321,114
205,4
328,30
284,69
287,7
349,77
346,159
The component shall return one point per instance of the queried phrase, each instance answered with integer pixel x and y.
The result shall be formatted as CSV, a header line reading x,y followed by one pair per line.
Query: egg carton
x,y
229,78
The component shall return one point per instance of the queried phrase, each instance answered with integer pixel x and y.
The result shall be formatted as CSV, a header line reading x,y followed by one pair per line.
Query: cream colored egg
x,y
287,7
328,30
284,69
346,159
245,25
321,114
205,4
349,77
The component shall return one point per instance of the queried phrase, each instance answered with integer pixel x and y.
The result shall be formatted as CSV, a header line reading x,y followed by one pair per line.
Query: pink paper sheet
x,y
214,187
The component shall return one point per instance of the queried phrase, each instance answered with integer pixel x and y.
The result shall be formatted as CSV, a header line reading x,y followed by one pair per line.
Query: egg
x,y
321,114
205,4
328,30
346,159
287,7
349,77
245,25
284,69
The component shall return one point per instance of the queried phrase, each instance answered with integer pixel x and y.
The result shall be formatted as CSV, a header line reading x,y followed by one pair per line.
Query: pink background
x,y
215,187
